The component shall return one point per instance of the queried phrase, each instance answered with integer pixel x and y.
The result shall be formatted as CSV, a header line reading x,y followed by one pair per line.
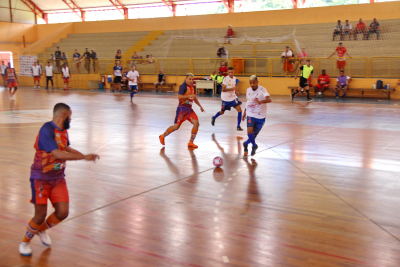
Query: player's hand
x,y
91,157
244,117
260,102
295,78
202,109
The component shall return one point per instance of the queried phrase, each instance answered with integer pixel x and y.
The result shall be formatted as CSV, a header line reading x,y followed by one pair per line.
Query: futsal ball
x,y
218,162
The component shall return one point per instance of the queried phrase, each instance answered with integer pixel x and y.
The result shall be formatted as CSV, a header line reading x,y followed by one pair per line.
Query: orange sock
x,y
193,136
168,131
49,223
31,231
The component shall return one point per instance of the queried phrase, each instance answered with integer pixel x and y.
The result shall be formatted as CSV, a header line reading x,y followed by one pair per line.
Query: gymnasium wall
x,y
13,33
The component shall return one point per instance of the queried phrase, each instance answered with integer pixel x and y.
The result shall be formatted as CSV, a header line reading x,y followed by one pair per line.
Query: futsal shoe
x,y
162,139
25,249
34,87
38,87
44,238
246,150
253,150
239,128
192,145
291,97
309,100
212,121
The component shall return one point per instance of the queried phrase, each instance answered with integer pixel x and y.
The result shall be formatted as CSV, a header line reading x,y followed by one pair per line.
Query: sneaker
x,y
38,87
337,97
44,238
343,96
309,100
246,150
162,139
12,97
253,150
192,145
34,87
25,249
120,91
291,97
212,121
239,128
64,89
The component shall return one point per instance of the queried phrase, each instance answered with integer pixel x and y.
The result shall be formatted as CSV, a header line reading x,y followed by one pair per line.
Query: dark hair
x,y
324,70
342,71
230,68
48,61
347,20
340,43
61,106
308,60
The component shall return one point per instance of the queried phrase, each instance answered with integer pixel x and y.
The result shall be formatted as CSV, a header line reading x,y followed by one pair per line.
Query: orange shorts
x,y
36,78
320,86
183,114
66,80
341,64
43,189
288,66
12,84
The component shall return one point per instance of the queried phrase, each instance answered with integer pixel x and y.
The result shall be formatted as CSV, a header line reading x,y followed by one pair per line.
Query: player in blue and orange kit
x,y
47,176
186,96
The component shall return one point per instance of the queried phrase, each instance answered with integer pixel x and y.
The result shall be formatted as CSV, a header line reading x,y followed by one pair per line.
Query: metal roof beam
x,y
35,9
171,6
75,8
120,7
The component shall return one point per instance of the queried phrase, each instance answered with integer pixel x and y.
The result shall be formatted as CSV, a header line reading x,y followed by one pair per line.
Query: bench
x,y
151,86
379,92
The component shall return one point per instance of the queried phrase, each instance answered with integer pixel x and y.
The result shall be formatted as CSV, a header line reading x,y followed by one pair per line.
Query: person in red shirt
x,y
361,27
323,83
230,33
342,52
223,68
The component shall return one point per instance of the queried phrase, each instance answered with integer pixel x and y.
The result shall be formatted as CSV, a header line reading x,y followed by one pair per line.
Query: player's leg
x,y
219,113
345,91
65,85
170,130
68,84
239,117
307,88
259,123
250,133
195,129
337,88
119,86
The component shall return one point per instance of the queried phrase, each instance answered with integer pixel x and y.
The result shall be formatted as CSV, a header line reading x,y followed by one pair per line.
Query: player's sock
x,y
31,231
50,222
252,139
344,94
168,131
193,135
239,118
308,94
336,93
295,92
217,115
131,95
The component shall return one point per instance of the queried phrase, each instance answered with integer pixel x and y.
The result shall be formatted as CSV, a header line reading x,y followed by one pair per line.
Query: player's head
x,y
2,62
309,62
76,50
360,20
340,44
341,73
92,50
160,71
58,48
303,50
9,64
118,51
87,49
65,64
374,20
213,72
117,62
62,112
37,61
230,72
222,63
323,72
287,48
253,82
125,70
338,22
347,22
48,63
189,78
34,63
229,26
133,67
220,73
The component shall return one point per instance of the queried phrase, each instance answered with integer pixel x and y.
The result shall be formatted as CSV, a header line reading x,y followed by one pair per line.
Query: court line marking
x,y
388,146
225,259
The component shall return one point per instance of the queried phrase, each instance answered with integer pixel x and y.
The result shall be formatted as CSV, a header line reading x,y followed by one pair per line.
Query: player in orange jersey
x,y
12,81
186,96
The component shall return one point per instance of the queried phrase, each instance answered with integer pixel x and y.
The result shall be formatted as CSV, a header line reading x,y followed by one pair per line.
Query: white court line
x,y
223,190
216,211
225,259
219,196
234,174
226,184
244,166
216,227
230,179
388,146
221,246
217,203
218,235
215,219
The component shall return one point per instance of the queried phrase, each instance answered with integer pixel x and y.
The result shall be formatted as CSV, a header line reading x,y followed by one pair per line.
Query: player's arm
x,y
349,81
63,155
266,100
332,54
348,54
69,71
15,75
198,103
224,89
244,115
73,151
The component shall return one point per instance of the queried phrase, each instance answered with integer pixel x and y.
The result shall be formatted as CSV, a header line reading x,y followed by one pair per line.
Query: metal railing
x,y
359,67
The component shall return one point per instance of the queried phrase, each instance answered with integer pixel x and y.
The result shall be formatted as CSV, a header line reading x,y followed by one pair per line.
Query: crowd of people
x,y
361,28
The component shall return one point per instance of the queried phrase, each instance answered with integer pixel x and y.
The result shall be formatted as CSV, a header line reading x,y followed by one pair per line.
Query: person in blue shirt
x,y
117,76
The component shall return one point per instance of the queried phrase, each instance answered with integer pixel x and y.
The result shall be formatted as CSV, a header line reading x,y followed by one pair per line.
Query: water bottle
x,y
387,86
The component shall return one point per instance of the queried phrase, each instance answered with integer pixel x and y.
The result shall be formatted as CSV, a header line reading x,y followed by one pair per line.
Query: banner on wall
x,y
25,64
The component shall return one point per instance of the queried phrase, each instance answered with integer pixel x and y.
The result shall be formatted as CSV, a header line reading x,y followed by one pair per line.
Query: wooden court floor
x,y
323,189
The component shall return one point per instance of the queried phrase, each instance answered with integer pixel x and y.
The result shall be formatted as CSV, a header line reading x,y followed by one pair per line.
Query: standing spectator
x,y
361,27
151,59
134,58
288,60
49,75
342,52
64,58
338,31
66,74
57,54
343,82
3,68
230,33
117,76
374,28
223,68
77,57
95,61
36,73
86,56
160,80
347,30
301,58
41,68
133,77
323,83
118,55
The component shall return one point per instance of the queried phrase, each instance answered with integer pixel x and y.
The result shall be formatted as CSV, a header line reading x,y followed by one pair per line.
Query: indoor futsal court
x,y
322,189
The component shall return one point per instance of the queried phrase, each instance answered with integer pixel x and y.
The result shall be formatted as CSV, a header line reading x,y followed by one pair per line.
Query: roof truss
x,y
120,7
75,8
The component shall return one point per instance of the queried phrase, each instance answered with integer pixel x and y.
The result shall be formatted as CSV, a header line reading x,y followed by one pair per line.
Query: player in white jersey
x,y
3,68
256,109
66,73
49,75
36,73
229,96
133,78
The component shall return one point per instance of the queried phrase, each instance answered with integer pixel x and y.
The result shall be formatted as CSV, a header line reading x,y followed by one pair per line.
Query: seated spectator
x,y
347,30
147,59
338,31
361,27
160,80
220,80
141,60
230,33
301,58
151,59
343,82
134,58
288,60
323,83
124,81
223,69
374,28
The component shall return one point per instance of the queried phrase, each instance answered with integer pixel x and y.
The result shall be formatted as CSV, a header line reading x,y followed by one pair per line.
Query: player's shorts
x,y
341,64
257,124
43,189
12,84
66,79
36,78
288,66
227,105
133,88
183,114
303,82
341,86
320,86
117,79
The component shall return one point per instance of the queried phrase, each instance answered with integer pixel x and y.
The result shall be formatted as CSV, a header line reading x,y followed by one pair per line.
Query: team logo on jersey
x,y
57,166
